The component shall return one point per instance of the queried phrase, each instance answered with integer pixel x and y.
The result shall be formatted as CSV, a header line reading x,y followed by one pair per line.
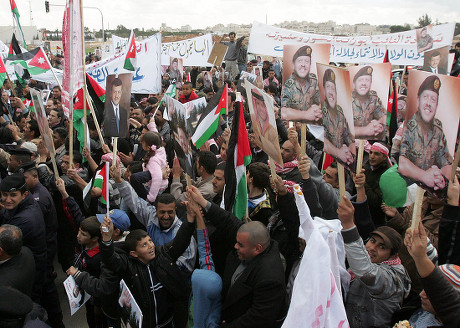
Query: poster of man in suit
x,y
436,61
116,108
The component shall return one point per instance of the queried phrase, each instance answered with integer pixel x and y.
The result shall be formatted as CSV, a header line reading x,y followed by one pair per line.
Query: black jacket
x,y
373,192
46,203
19,271
449,235
135,273
258,297
28,217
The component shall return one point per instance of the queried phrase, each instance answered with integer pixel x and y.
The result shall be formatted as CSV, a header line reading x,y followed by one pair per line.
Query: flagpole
x,y
93,114
71,87
52,69
84,73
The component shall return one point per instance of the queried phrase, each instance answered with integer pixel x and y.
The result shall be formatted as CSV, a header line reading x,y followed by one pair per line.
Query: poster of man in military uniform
x,y
424,38
300,100
263,121
370,88
339,140
431,126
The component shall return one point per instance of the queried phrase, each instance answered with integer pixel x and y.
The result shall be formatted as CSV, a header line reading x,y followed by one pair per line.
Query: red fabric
x,y
184,99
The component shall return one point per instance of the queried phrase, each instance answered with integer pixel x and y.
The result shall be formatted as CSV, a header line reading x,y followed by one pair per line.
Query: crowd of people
x,y
187,261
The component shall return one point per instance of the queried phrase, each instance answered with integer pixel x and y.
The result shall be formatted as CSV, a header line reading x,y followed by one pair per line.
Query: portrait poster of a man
x,y
116,108
175,71
369,92
430,130
263,121
424,38
339,140
176,114
436,61
300,101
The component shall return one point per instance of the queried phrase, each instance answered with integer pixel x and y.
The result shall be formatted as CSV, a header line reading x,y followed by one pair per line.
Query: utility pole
x,y
30,13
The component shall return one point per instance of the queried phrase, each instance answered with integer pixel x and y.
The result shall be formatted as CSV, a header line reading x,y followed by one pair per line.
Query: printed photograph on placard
x,y
339,139
176,114
424,38
300,101
175,71
77,296
436,61
117,103
430,130
369,92
131,314
263,121
42,120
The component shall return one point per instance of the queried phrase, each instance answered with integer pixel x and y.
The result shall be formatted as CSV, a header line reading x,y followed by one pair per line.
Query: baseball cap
x,y
119,218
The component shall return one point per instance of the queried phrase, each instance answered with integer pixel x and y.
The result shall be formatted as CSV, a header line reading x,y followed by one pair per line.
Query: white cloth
x,y
316,299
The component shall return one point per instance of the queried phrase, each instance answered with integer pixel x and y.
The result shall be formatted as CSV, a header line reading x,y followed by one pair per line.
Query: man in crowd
x,y
254,289
379,281
231,65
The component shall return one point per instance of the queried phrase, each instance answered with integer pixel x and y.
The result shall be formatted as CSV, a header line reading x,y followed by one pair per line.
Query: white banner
x,y
194,52
146,79
269,40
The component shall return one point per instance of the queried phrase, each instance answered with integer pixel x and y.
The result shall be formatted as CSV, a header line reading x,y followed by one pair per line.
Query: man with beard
x,y
135,125
368,111
263,130
300,98
162,125
338,141
424,154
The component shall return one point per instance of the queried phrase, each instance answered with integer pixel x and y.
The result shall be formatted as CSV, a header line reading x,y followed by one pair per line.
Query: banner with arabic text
x,y
146,78
402,47
194,52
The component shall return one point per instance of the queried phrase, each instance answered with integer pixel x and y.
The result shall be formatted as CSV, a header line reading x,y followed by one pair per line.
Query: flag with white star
x,y
130,61
34,61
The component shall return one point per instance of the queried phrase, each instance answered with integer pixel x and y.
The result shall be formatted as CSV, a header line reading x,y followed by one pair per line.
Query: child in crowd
x,y
154,161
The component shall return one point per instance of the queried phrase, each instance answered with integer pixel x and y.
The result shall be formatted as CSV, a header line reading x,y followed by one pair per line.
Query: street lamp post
x,y
47,5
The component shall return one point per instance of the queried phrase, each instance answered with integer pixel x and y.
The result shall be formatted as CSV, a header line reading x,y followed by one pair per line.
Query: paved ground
x,y
78,320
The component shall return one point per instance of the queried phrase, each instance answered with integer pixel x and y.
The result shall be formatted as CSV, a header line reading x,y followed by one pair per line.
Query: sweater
x,y
155,164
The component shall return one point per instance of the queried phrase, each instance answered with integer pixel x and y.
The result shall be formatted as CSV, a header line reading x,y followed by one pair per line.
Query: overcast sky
x,y
201,13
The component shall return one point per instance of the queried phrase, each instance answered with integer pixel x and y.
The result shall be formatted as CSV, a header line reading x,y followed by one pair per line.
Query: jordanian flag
x,y
238,157
209,120
3,75
171,91
97,96
130,60
15,11
34,61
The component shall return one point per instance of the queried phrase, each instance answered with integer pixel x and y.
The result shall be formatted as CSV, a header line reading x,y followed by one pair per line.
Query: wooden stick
x,y
455,164
359,163
52,69
115,150
96,123
341,172
272,166
303,139
417,210
189,181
